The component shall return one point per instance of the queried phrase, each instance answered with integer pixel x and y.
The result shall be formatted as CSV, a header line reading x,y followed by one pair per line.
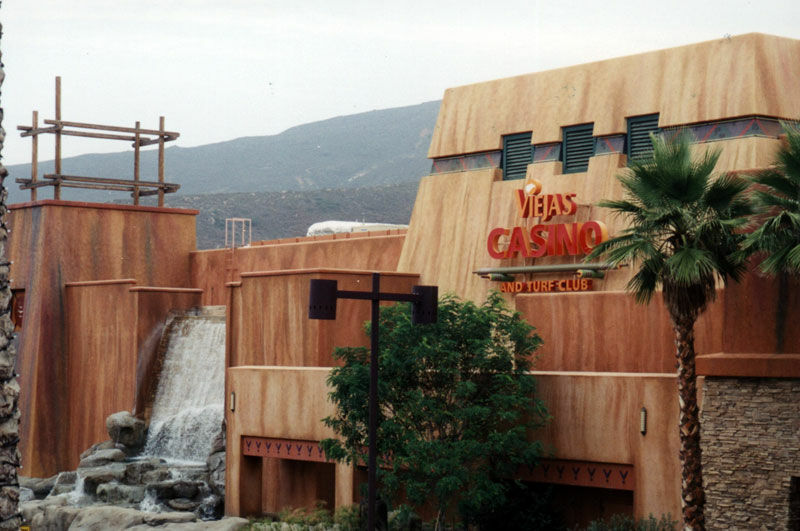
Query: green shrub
x,y
348,518
624,522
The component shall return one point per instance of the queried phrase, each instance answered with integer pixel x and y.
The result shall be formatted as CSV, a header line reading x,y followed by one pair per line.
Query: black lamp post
x,y
322,305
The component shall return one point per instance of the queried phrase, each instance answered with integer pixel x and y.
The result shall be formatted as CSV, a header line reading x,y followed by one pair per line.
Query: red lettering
x,y
493,241
538,206
598,228
539,242
519,243
565,240
523,204
553,207
568,206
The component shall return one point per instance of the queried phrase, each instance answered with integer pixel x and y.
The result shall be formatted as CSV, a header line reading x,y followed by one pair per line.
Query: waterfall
x,y
189,402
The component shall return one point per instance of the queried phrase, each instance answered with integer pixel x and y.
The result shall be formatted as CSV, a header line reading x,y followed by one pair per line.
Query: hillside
x,y
362,150
290,213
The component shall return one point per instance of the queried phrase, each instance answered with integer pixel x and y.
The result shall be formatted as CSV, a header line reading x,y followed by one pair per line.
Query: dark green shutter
x,y
516,155
639,129
578,147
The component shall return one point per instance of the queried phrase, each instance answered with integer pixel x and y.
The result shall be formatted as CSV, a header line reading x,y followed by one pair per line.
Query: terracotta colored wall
x,y
110,362
282,403
210,270
596,418
101,367
268,320
55,242
743,75
455,212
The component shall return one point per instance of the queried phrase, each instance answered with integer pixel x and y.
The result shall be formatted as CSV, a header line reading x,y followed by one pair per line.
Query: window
x,y
578,146
517,154
639,145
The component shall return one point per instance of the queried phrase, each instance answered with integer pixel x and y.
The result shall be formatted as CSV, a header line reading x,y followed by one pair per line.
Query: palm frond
x,y
683,224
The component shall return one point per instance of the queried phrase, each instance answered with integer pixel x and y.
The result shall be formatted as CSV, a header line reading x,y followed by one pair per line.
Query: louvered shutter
x,y
639,129
516,155
578,147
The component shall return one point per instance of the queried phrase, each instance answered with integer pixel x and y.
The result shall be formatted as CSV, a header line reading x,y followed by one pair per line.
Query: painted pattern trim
x,y
295,449
581,473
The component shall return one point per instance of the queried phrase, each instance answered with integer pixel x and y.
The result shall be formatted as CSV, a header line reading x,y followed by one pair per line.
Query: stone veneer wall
x,y
751,452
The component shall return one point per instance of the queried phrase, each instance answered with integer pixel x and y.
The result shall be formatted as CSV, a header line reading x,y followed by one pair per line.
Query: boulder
x,y
105,445
41,487
102,457
176,488
229,523
98,517
118,494
93,477
26,495
126,429
183,504
216,473
55,517
159,519
136,471
65,482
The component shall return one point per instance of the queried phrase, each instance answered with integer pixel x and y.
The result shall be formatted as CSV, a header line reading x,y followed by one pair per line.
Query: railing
x,y
138,136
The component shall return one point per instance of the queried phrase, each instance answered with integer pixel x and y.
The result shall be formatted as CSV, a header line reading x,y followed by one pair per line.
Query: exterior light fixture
x,y
643,420
322,298
233,401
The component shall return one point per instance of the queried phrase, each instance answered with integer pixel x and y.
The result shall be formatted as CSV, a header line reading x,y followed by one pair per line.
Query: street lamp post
x,y
322,305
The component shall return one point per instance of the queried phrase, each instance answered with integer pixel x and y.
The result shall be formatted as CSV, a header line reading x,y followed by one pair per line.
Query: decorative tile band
x,y
607,145
283,448
724,130
473,161
581,473
547,152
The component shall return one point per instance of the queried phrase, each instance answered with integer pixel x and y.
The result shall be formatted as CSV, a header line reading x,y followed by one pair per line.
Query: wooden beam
x,y
161,159
34,155
156,192
57,189
33,131
107,136
106,180
136,146
27,184
118,129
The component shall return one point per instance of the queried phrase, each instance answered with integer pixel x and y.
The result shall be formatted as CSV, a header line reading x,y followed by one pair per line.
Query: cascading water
x,y
188,408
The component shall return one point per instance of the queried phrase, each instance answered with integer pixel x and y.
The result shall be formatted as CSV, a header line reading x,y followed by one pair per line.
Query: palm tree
x,y
778,198
9,390
682,237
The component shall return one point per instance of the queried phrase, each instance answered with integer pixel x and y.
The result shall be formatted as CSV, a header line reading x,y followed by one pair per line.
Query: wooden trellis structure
x,y
138,136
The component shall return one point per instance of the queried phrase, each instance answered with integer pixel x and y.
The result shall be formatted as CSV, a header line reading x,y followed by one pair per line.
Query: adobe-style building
x,y
517,167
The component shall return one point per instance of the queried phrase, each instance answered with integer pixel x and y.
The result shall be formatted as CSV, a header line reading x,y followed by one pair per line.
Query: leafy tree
x,y
778,198
457,403
682,237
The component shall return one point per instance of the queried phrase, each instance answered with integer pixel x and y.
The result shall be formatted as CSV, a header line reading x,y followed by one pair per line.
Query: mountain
x,y
369,149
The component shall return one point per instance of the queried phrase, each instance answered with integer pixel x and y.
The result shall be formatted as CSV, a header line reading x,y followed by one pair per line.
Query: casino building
x,y
517,167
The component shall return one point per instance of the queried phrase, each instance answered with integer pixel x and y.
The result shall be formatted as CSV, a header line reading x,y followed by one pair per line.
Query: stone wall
x,y
751,452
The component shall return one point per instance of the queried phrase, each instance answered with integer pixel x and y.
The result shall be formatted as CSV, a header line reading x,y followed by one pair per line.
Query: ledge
x,y
102,206
158,289
324,271
749,365
83,283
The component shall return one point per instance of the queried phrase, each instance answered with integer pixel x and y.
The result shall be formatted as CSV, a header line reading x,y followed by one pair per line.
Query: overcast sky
x,y
223,69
